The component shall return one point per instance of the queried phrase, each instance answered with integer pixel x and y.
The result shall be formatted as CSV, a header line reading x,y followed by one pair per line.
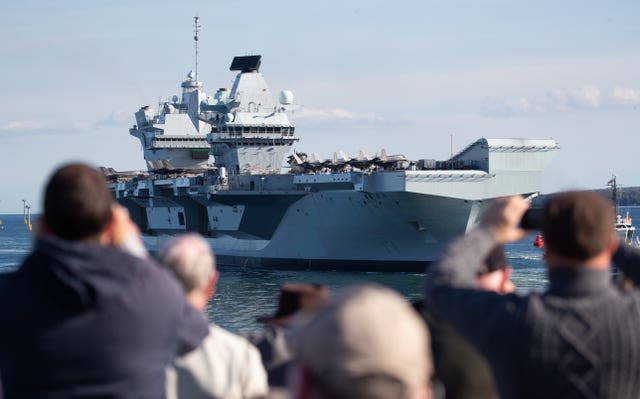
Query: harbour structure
x,y
26,214
367,212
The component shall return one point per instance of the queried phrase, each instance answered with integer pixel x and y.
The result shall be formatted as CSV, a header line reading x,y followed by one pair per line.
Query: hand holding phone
x,y
125,234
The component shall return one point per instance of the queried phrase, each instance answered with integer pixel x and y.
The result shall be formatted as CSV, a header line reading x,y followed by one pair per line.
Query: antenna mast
x,y
451,145
196,30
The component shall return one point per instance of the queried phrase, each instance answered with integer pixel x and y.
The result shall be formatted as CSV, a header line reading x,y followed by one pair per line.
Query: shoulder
x,y
152,286
228,338
231,345
146,270
9,287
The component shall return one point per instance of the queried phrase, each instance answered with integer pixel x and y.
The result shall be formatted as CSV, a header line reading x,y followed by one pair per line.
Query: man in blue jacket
x,y
83,317
578,339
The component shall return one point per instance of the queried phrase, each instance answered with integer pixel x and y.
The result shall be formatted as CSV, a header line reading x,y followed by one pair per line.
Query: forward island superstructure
x,y
214,167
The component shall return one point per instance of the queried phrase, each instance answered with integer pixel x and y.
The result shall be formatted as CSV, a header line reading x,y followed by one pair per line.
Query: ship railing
x,y
458,164
233,136
179,144
269,130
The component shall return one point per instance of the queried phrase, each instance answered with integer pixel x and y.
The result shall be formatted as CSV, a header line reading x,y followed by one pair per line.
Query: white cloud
x,y
626,96
30,127
335,114
21,125
117,117
327,117
588,97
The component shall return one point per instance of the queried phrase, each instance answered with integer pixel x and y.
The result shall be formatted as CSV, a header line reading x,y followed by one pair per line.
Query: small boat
x,y
624,225
539,241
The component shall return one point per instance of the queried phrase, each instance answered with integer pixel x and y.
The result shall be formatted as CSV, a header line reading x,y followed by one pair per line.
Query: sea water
x,y
244,294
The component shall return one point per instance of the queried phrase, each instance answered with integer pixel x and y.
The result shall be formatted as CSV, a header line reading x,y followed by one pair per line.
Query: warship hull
x,y
385,221
345,230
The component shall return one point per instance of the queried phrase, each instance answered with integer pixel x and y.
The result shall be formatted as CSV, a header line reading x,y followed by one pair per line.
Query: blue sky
x,y
399,75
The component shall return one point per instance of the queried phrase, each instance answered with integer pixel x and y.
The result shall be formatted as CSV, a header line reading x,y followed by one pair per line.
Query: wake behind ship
x,y
381,212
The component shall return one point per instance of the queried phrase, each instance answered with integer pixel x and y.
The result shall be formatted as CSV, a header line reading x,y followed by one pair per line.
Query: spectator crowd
x,y
90,314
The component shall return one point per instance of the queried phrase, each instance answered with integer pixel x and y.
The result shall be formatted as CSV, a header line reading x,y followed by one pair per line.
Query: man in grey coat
x,y
578,339
225,365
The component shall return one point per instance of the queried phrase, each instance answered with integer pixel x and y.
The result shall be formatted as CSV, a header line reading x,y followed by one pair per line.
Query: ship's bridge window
x,y
181,218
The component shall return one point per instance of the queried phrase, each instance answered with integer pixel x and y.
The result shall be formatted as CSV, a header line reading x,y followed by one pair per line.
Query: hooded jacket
x,y
85,320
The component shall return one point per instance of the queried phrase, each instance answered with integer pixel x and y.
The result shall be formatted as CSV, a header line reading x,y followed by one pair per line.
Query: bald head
x,y
369,343
190,258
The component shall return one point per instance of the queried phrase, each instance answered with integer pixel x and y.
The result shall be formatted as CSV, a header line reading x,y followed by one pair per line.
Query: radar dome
x,y
174,99
286,97
229,117
169,109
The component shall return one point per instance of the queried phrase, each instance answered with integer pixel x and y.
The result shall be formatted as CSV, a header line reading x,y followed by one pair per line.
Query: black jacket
x,y
578,339
81,320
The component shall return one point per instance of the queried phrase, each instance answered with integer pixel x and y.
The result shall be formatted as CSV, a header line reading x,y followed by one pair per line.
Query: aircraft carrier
x,y
215,166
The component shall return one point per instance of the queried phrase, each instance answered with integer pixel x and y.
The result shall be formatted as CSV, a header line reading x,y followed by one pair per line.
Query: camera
x,y
532,219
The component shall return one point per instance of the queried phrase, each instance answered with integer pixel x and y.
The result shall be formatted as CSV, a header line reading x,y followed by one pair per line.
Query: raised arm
x,y
627,259
483,317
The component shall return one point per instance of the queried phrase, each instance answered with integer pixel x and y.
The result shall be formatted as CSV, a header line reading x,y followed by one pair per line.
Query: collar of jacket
x,y
77,270
578,281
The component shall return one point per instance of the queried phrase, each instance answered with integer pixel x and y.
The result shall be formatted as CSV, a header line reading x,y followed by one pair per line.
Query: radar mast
x,y
196,30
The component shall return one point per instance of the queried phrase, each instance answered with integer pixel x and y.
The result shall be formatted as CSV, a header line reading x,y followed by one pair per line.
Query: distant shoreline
x,y
629,196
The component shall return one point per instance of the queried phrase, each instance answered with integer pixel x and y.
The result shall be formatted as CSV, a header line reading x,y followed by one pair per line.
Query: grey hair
x,y
191,260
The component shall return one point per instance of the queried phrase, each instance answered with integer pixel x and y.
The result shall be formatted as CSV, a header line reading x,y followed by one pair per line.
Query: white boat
x,y
624,224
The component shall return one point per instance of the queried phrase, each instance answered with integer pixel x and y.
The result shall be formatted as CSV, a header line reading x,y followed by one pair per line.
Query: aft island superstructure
x,y
214,167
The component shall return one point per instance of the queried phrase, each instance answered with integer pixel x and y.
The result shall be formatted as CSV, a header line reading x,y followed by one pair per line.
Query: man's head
x,y
578,226
495,274
366,343
77,203
191,260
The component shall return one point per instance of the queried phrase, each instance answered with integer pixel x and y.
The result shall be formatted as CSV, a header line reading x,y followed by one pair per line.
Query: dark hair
x,y
77,203
495,260
578,224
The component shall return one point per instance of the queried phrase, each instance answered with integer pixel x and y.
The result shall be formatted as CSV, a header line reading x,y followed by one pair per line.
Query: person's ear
x,y
42,230
113,233
212,285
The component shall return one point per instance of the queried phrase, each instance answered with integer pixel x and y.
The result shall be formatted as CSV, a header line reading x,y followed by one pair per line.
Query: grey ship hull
x,y
342,230
388,220
362,231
